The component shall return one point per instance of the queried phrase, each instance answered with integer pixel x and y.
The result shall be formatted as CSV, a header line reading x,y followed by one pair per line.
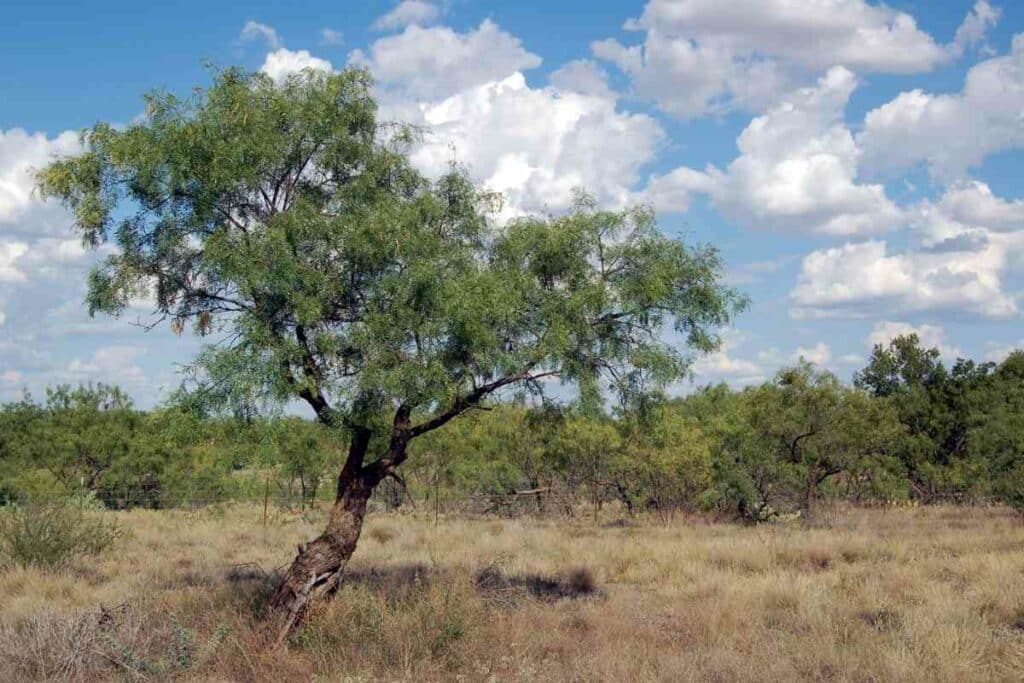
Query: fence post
x,y
266,497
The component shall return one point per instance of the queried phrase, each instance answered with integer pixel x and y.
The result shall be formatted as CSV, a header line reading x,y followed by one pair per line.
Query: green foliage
x,y
287,222
51,534
777,446
666,458
938,408
996,437
304,453
764,451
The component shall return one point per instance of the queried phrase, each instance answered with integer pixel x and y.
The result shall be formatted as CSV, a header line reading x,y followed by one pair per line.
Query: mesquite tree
x,y
286,223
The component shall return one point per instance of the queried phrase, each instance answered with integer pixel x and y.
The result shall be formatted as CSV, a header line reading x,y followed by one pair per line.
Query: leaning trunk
x,y
317,569
809,491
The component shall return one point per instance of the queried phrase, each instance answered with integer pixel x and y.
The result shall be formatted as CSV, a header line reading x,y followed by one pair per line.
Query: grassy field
x,y
864,595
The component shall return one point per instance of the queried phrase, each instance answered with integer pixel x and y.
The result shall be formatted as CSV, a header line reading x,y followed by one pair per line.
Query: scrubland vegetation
x,y
799,529
894,594
910,429
678,543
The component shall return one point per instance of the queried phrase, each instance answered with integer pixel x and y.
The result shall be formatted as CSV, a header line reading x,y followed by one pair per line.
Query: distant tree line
x,y
909,428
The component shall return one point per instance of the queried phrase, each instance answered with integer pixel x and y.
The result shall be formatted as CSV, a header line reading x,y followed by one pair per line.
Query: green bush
x,y
51,534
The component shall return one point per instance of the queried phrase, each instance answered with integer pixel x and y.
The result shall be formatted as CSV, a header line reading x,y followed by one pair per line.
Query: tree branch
x,y
464,403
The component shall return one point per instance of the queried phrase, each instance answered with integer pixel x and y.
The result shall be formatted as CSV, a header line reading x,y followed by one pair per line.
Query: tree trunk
x,y
317,569
812,485
624,496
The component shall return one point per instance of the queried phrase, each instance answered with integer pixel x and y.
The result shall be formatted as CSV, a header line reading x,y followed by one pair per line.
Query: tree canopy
x,y
287,223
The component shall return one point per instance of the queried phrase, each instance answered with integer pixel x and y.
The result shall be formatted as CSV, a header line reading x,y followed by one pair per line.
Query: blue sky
x,y
857,163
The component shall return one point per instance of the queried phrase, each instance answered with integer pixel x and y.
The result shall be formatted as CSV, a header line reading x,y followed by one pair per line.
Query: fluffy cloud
x,y
21,153
330,36
701,56
723,364
997,352
43,268
10,253
535,145
253,30
674,190
963,246
820,354
931,337
975,27
44,257
797,170
407,13
282,62
112,364
582,76
951,132
973,203
550,142
856,279
36,242
433,63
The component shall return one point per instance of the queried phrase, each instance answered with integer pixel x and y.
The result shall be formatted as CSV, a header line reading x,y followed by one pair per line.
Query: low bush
x,y
50,534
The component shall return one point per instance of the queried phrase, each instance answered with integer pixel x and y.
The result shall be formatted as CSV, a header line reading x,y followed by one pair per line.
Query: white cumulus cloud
x,y
701,56
820,354
407,13
21,154
536,145
283,62
963,246
437,62
950,132
796,171
254,30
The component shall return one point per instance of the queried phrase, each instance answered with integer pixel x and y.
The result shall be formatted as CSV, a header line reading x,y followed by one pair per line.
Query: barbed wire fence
x,y
272,499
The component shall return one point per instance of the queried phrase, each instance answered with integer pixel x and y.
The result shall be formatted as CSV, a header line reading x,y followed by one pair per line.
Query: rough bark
x,y
809,492
317,569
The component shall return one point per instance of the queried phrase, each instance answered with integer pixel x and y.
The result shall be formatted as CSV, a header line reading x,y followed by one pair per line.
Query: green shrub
x,y
51,534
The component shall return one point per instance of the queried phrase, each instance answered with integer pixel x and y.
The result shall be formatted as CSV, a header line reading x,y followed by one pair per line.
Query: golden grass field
x,y
920,594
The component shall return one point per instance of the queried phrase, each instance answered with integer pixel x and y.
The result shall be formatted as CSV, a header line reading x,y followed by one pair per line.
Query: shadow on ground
x,y
398,581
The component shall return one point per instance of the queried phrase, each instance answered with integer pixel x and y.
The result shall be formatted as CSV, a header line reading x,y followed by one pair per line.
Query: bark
x,y
318,567
815,478
812,485
624,496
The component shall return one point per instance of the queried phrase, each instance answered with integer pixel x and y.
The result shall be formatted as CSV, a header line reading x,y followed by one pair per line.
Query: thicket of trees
x,y
91,439
909,427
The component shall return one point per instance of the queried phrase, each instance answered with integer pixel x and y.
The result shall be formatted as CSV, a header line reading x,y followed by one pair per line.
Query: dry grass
x,y
873,595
